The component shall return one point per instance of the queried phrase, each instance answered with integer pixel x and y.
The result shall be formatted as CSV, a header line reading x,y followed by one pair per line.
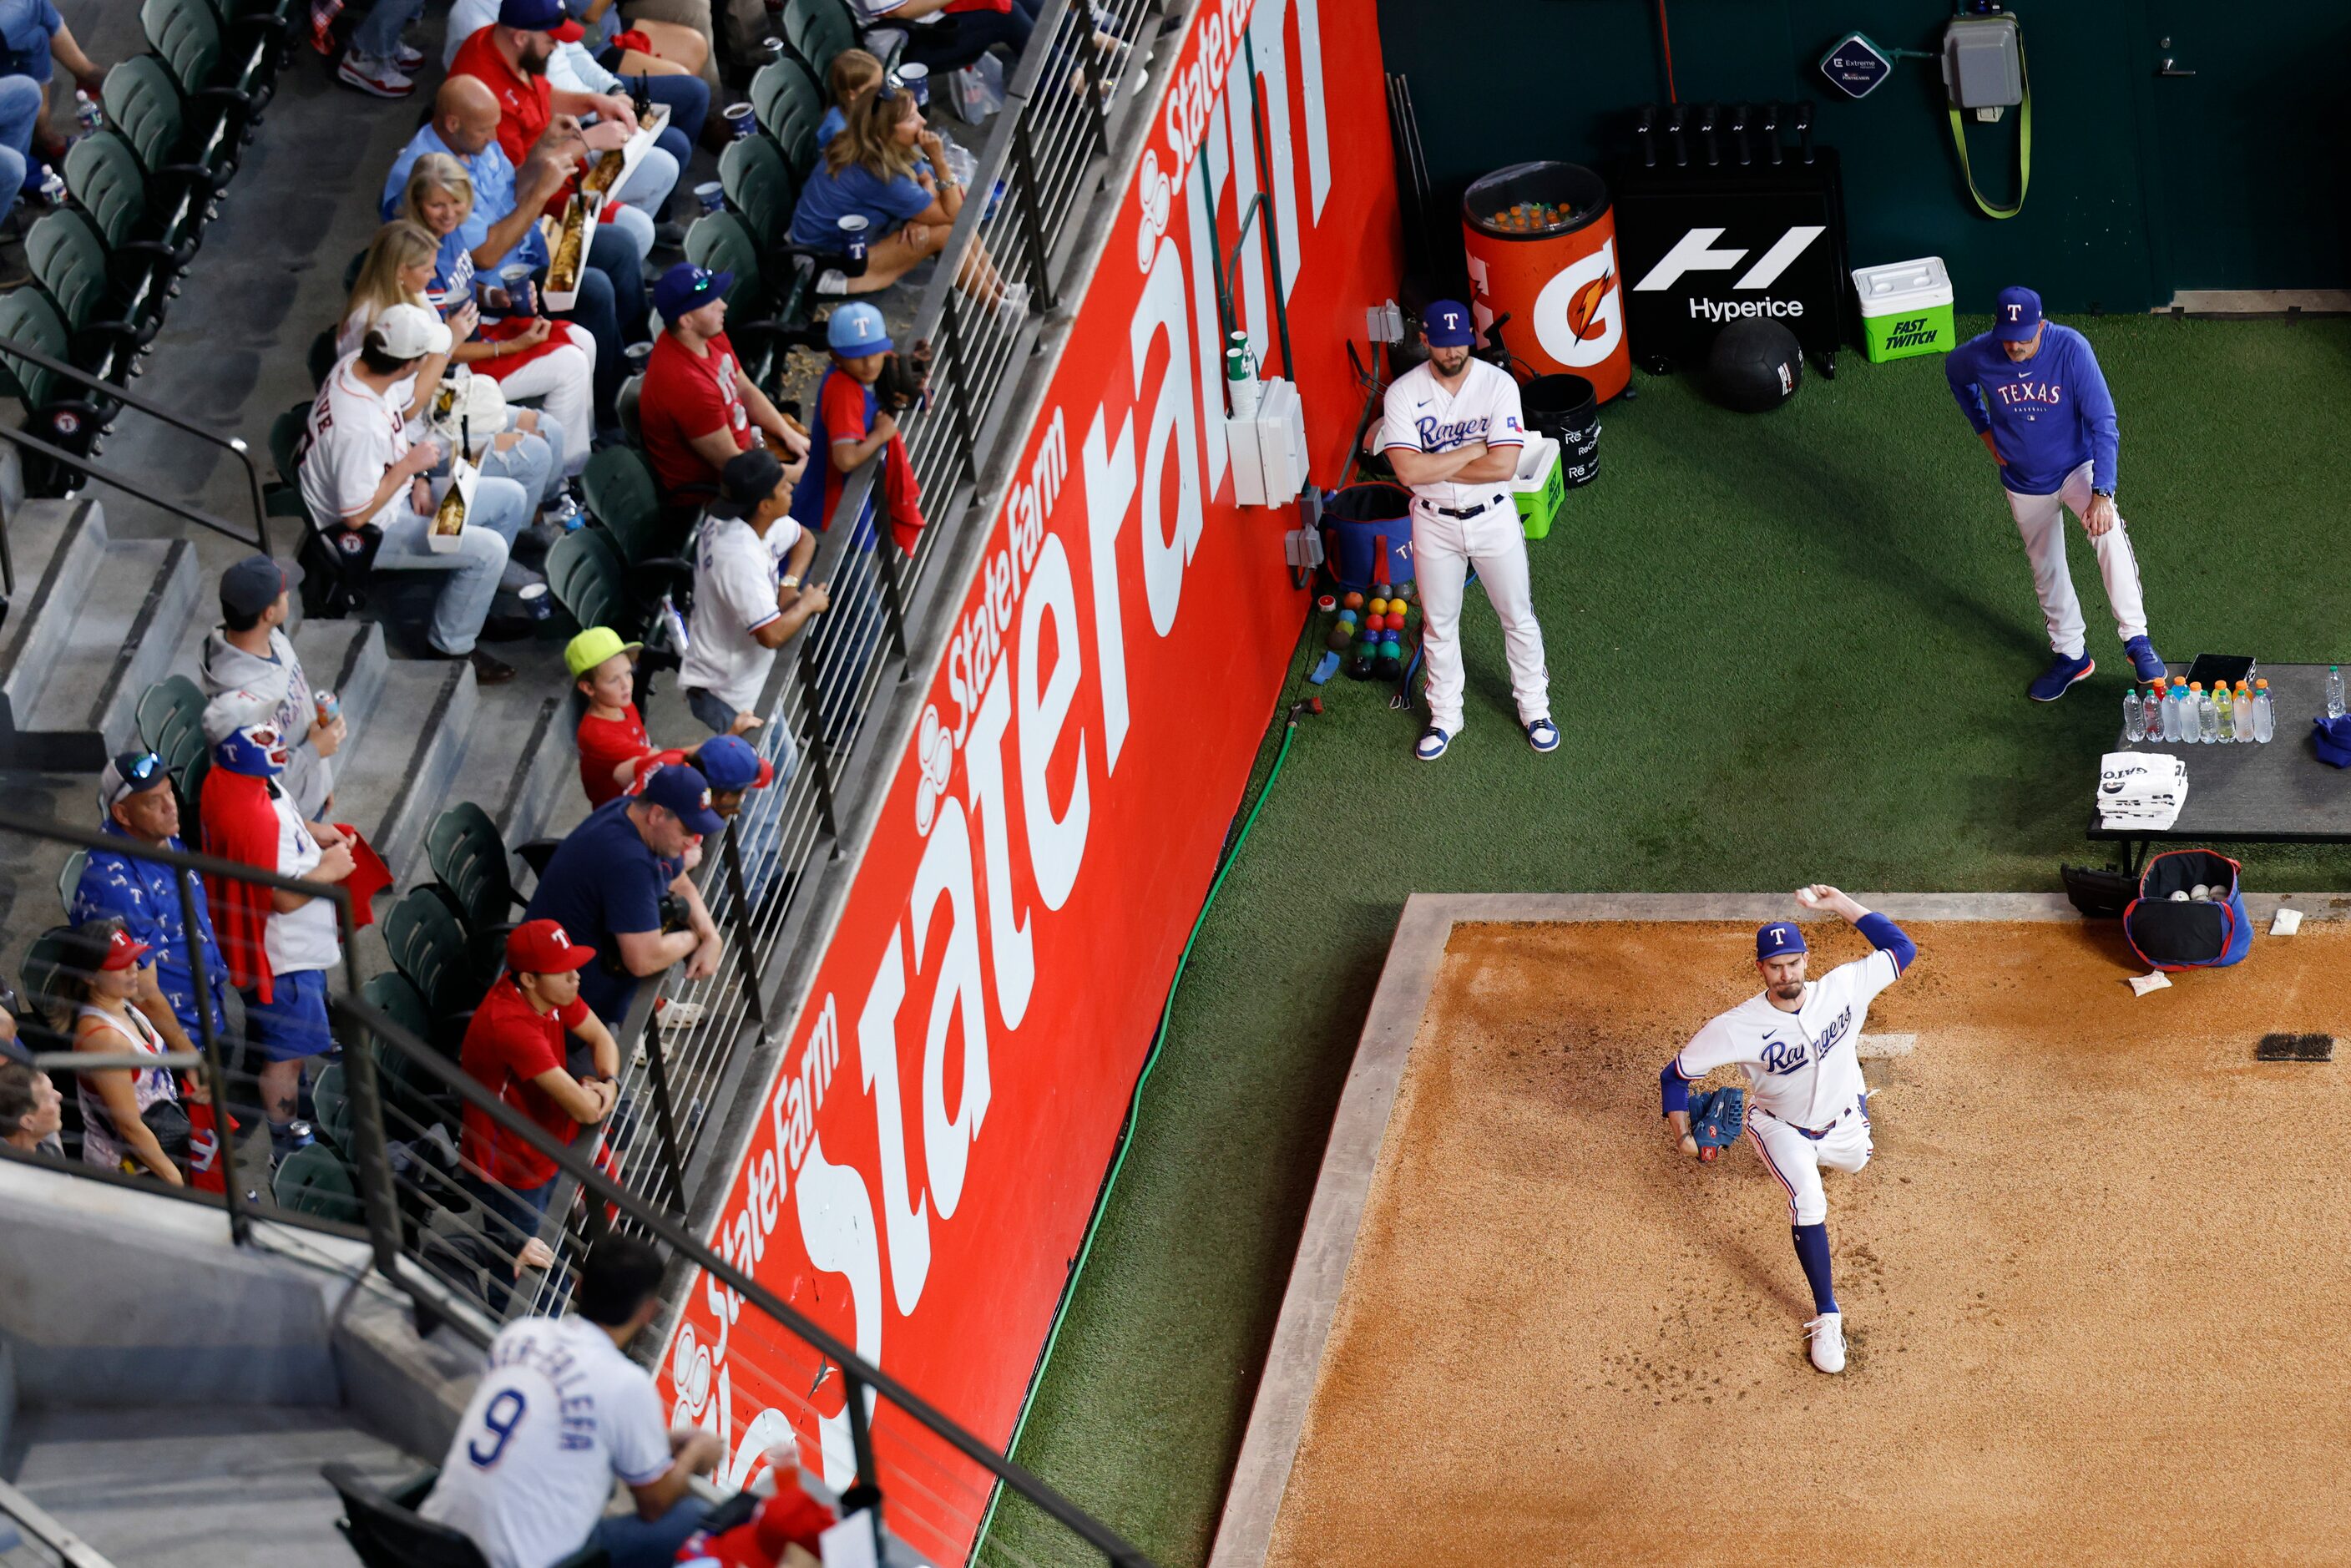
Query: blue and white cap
x,y
2016,315
1779,939
1448,324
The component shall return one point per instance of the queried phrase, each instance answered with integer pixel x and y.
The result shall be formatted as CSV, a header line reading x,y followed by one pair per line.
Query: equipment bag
x,y
336,564
1354,520
2170,934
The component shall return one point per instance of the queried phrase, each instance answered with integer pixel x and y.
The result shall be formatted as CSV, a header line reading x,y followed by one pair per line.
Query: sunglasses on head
x,y
144,769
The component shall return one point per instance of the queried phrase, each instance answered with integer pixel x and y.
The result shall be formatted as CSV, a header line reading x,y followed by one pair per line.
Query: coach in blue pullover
x,y
2032,392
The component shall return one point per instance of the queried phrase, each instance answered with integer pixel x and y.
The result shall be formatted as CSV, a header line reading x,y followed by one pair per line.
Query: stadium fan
x,y
140,807
749,1530
510,56
869,172
30,1109
852,423
34,41
948,35
507,442
20,114
698,408
132,1120
250,648
277,945
376,61
360,469
852,74
649,57
748,597
528,1484
621,882
516,1047
611,735
500,227
728,761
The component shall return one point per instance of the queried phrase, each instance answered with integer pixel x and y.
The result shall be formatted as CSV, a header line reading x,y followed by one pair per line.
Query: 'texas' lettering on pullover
x,y
2049,414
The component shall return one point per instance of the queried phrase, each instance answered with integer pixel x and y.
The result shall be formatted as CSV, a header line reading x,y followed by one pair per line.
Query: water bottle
x,y
87,112
2264,715
2244,703
2224,711
2152,710
2208,717
2172,712
2134,726
2335,691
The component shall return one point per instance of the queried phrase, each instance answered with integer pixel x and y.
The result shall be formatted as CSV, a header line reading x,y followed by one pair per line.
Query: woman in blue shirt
x,y
871,170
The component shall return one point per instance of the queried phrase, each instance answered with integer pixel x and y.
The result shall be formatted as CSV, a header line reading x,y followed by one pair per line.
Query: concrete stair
x,y
101,623
409,720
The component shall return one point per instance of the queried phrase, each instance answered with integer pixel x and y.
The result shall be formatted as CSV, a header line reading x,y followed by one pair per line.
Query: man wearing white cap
x,y
360,469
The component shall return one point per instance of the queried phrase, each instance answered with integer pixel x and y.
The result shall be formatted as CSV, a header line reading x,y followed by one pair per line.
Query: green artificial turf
x,y
1784,648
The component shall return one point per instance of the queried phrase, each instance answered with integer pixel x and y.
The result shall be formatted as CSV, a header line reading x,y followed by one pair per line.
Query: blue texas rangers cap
x,y
1778,940
1449,325
2017,315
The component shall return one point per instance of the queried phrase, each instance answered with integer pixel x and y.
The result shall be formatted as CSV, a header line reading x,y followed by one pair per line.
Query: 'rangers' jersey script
x,y
1422,416
1800,1066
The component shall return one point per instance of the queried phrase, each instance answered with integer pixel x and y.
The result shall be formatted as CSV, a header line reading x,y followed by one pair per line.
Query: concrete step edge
x,y
423,792
40,627
147,652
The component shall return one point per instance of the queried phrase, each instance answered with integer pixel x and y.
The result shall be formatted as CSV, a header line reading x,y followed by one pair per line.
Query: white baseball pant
x,y
1796,1160
1445,547
2041,520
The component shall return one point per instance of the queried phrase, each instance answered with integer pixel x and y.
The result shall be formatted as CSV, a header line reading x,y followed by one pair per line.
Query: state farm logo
x,y
1156,198
934,751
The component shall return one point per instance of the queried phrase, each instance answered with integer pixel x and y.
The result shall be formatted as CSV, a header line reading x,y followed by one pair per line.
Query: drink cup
x,y
916,80
330,706
852,244
712,195
740,121
515,278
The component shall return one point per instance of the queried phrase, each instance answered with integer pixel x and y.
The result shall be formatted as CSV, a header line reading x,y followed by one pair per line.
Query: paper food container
x,y
457,503
608,172
468,403
567,252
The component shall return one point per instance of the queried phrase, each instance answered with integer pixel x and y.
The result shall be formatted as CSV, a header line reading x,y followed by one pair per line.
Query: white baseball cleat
x,y
1828,1332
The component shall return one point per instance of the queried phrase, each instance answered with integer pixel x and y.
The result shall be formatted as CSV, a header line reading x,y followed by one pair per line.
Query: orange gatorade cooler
x,y
1541,243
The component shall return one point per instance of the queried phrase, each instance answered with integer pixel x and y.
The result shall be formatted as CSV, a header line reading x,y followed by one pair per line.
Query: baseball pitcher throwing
x,y
2031,390
1452,429
1808,1106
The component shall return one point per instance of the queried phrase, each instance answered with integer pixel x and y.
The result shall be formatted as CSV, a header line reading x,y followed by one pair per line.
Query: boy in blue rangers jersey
x,y
2031,390
1808,1106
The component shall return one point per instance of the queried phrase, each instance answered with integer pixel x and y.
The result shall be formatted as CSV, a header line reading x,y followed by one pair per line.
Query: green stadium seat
x,y
187,37
759,184
413,1099
765,318
103,174
818,30
789,104
330,1099
70,878
625,502
196,159
58,412
428,945
69,262
315,1181
585,574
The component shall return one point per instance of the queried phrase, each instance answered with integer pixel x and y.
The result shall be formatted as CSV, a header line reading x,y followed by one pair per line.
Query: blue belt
x,y
1807,1132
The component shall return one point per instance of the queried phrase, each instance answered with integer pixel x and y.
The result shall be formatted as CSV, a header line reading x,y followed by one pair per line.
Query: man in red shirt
x,y
516,1048
698,408
510,58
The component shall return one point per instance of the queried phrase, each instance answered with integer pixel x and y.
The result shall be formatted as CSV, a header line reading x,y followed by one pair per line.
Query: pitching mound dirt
x,y
2093,1279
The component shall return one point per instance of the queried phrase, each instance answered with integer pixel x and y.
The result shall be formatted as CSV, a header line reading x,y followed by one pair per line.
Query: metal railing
x,y
106,391
921,1471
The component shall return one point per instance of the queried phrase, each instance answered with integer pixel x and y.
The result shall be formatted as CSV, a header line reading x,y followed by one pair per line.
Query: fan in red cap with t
x,y
1452,432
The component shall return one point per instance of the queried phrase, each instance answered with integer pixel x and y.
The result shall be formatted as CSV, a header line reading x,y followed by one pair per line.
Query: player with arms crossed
x,y
1809,1105
1451,430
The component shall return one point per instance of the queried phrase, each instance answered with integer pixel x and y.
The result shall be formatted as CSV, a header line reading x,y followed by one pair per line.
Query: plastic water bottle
x,y
2244,714
2207,715
2158,698
87,112
2264,715
2171,701
2225,707
2134,726
2335,691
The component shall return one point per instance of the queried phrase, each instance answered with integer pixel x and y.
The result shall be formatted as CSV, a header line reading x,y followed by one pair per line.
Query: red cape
x,y
241,824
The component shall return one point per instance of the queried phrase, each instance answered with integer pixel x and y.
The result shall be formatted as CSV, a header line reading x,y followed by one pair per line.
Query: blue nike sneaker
x,y
2146,662
1432,744
1542,735
2052,683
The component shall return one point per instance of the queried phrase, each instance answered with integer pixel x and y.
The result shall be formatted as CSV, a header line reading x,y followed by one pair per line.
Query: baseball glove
x,y
904,378
1717,1118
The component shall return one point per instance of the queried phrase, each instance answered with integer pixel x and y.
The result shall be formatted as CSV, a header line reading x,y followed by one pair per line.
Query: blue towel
x,y
2333,739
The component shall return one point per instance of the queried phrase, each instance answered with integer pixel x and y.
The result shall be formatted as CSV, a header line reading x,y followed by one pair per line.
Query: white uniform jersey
x,y
558,1411
1422,416
1800,1066
355,434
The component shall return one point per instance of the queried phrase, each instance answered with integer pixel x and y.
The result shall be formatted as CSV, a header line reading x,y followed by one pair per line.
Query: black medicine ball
x,y
1755,366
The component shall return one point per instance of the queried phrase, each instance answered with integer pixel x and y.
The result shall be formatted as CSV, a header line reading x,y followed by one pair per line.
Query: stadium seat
x,y
331,1100
384,1531
69,262
314,1180
759,184
764,318
37,976
818,30
58,412
413,1099
171,717
468,858
428,945
789,104
188,784
625,502
143,103
585,574
70,878
107,183
186,36
323,355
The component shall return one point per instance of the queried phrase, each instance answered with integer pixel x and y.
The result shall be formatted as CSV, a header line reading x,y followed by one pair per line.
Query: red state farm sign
x,y
932,1145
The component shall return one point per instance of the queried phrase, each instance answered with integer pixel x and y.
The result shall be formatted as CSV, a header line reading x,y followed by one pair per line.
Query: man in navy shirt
x,y
605,883
2031,390
135,793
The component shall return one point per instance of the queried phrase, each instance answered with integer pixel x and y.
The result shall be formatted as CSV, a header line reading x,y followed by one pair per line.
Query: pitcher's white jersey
x,y
1800,1066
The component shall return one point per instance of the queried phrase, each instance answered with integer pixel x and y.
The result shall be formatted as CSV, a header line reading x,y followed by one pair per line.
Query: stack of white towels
x,y
2141,790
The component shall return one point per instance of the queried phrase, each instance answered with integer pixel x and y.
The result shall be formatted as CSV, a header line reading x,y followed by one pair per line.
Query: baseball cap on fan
x,y
530,15
685,793
544,948
1448,325
1779,939
2016,315
410,332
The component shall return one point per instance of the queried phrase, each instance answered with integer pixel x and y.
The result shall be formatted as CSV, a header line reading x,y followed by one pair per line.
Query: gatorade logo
x,y
1580,313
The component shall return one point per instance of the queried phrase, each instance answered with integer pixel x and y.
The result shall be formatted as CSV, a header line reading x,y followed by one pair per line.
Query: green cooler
x,y
1905,309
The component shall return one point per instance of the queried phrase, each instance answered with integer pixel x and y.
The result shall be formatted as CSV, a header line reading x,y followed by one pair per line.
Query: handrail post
x,y
1032,226
746,934
378,1197
885,566
664,1112
1090,65
240,1229
814,741
861,1445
